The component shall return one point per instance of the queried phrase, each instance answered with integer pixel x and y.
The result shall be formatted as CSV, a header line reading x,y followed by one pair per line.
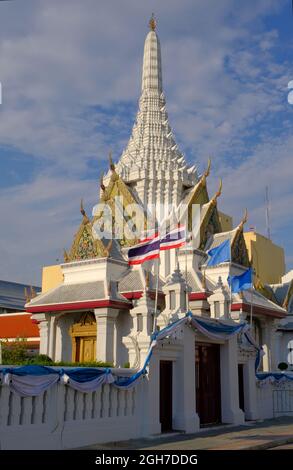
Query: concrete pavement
x,y
251,436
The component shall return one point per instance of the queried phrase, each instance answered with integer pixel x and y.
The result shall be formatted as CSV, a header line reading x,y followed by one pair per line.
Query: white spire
x,y
152,163
152,64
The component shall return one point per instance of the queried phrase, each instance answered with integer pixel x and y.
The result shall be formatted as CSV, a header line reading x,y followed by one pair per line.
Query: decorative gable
x,y
127,212
239,250
84,245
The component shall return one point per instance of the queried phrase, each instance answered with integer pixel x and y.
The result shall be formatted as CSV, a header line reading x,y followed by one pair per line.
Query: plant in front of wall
x,y
283,366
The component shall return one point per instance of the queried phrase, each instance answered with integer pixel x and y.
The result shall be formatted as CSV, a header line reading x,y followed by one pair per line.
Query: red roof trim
x,y
132,295
137,294
78,306
199,295
257,309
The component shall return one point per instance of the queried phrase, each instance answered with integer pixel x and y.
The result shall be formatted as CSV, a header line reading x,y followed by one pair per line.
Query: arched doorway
x,y
84,337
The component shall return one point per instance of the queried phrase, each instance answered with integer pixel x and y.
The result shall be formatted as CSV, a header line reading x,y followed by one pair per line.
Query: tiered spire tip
x,y
153,23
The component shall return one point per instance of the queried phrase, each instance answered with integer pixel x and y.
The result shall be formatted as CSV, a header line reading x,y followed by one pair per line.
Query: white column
x,y
279,348
266,360
105,318
52,337
250,397
63,343
231,413
275,345
185,417
151,408
43,324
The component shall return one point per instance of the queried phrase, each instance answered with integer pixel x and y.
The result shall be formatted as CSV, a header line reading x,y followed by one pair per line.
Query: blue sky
x,y
70,72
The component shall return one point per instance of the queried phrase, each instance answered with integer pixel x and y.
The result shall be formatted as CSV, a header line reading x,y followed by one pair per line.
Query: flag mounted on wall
x,y
241,282
220,254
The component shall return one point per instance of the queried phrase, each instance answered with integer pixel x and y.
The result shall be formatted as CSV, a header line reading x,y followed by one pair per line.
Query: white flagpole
x,y
230,279
187,296
251,302
251,307
156,296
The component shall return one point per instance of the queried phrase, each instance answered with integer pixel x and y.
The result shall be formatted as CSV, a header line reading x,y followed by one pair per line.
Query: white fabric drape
x,y
91,385
31,385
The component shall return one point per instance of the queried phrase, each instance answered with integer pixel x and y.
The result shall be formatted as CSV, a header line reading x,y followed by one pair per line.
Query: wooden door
x,y
208,385
88,352
83,335
166,382
241,387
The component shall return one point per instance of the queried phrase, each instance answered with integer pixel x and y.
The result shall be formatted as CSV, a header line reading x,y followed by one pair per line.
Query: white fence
x,y
274,401
63,418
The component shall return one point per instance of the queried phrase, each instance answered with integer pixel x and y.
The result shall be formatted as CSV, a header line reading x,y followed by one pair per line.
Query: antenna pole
x,y
268,213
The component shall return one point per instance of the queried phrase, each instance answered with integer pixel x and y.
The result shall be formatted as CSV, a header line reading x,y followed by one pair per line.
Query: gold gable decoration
x,y
117,188
84,245
238,246
210,224
199,194
288,296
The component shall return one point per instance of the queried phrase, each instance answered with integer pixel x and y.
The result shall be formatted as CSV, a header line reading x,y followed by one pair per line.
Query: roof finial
x,y
244,219
152,23
207,172
219,192
82,211
102,186
111,164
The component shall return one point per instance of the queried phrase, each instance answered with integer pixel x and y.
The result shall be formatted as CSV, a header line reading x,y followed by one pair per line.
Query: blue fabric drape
x,y
88,379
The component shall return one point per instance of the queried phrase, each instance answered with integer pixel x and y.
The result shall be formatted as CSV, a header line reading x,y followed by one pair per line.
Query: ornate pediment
x,y
238,245
199,193
84,245
239,250
210,222
289,296
124,208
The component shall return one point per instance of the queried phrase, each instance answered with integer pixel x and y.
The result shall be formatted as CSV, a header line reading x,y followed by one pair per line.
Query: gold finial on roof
x,y
219,192
112,166
207,172
33,292
102,182
26,295
152,23
65,256
82,211
244,219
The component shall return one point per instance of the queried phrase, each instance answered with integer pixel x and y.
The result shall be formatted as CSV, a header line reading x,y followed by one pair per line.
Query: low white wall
x,y
265,402
63,418
274,401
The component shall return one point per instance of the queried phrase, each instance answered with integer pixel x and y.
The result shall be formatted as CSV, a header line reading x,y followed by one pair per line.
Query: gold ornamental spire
x,y
152,23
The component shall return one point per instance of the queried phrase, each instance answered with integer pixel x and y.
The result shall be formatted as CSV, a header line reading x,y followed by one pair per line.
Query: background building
x,y
15,323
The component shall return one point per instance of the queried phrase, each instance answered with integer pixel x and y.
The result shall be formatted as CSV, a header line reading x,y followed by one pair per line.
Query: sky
x,y
70,72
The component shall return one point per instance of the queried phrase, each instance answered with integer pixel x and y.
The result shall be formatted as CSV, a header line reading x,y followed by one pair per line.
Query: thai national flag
x,y
175,238
147,249
151,244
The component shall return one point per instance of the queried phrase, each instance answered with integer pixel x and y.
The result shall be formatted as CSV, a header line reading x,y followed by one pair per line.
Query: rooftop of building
x,y
12,295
